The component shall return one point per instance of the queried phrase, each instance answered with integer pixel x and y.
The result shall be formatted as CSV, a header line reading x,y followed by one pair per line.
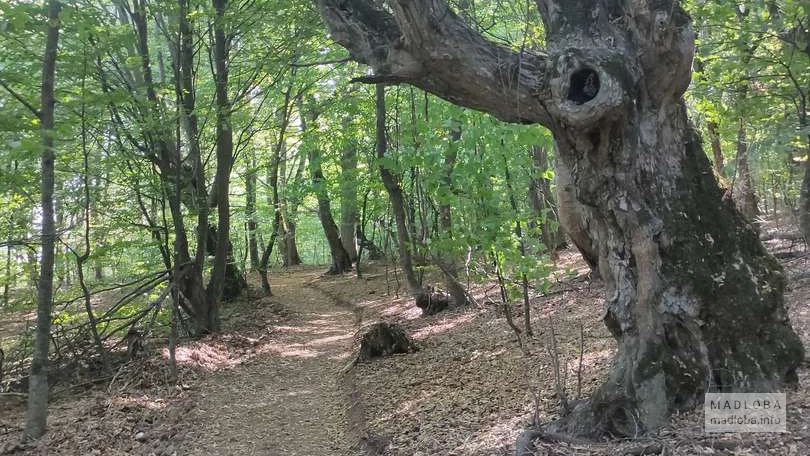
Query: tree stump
x,y
382,339
431,301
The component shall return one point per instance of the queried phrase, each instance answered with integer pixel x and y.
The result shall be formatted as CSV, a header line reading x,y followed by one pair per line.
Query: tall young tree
x,y
424,299
804,202
445,215
224,154
37,413
348,198
677,259
340,259
250,210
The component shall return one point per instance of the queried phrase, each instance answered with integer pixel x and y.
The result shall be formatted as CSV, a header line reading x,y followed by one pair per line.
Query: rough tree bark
x,y
36,415
572,215
693,299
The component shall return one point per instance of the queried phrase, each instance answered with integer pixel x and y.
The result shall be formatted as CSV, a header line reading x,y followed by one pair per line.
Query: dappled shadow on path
x,y
285,398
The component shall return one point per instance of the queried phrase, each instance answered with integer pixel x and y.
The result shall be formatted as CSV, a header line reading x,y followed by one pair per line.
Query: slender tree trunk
x,y
449,266
524,279
291,215
32,269
542,202
268,251
188,97
424,300
717,150
804,204
397,200
348,200
224,154
289,246
250,211
340,259
804,197
37,413
87,213
7,277
273,197
695,302
744,191
61,269
187,274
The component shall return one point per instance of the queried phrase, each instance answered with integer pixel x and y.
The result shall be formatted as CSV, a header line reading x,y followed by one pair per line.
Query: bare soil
x,y
278,380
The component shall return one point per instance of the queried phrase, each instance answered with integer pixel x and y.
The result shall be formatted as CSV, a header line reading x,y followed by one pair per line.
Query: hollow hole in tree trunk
x,y
584,86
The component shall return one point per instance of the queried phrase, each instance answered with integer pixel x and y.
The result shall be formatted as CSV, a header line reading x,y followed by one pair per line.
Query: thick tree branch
x,y
425,44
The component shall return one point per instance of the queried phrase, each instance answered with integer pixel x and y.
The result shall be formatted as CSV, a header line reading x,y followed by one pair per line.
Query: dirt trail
x,y
290,399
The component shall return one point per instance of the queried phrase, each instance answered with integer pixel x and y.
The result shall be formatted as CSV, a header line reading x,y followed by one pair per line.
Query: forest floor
x,y
277,381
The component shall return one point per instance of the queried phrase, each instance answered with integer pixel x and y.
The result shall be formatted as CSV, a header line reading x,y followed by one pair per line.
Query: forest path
x,y
289,399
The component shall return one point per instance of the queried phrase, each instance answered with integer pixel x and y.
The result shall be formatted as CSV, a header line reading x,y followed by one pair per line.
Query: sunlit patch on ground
x,y
403,308
318,330
204,355
441,326
501,434
331,339
285,350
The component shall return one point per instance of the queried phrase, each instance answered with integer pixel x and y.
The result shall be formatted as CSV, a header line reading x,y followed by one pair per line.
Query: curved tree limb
x,y
425,44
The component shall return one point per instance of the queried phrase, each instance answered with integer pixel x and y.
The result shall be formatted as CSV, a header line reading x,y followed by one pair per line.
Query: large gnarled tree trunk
x,y
693,299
